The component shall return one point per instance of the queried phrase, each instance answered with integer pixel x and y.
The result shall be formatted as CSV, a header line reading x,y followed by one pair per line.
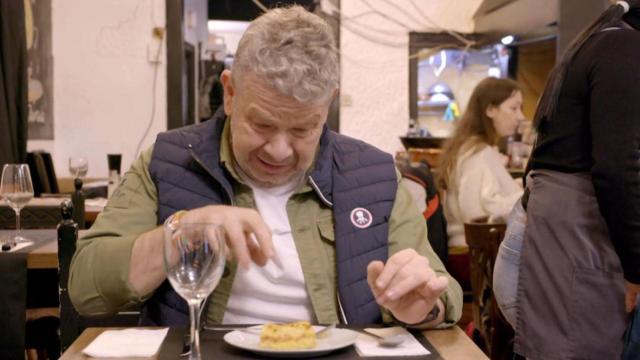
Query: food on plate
x,y
296,335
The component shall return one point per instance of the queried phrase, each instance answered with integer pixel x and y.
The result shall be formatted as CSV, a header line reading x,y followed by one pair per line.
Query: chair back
x,y
71,323
67,237
43,174
484,238
77,197
31,217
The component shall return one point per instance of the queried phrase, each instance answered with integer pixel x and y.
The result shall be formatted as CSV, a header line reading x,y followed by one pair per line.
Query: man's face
x,y
273,137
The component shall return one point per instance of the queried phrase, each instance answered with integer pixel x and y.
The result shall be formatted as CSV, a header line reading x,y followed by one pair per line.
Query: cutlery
x,y
386,341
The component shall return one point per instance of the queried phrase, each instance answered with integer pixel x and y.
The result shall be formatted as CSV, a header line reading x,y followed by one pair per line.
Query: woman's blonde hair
x,y
475,127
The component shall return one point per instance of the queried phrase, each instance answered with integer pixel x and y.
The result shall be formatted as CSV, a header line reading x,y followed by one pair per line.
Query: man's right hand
x,y
246,233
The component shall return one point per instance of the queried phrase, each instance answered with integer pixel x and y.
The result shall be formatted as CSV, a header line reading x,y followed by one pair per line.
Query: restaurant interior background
x,y
105,77
122,71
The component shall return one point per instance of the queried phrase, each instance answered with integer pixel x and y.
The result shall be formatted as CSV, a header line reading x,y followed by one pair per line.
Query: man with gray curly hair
x,y
317,224
293,51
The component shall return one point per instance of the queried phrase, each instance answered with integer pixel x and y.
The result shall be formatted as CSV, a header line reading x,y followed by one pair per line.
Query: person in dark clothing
x,y
580,257
217,92
211,91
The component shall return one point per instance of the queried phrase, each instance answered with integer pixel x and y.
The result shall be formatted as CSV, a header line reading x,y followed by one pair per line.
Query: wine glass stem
x,y
17,222
194,315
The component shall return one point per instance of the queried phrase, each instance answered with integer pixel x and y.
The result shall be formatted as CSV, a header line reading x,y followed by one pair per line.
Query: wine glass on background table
x,y
194,258
17,190
78,166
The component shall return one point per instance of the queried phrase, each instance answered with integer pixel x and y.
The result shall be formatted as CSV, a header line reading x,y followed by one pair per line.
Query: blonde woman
x,y
472,171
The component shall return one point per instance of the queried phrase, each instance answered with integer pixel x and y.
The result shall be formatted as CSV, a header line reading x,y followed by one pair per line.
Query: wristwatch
x,y
433,314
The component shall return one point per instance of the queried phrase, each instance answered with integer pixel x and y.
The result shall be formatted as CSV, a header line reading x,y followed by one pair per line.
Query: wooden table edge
x,y
451,343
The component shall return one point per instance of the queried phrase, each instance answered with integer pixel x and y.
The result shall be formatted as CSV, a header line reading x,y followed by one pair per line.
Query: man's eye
x,y
301,132
261,127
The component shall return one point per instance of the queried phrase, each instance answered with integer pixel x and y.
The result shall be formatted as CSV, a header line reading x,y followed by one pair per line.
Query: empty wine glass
x,y
194,258
78,166
16,189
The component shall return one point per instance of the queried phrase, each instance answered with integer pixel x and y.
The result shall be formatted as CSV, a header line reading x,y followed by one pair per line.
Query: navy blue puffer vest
x,y
349,176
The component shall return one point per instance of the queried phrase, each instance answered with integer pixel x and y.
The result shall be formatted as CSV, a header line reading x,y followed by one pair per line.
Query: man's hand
x,y
246,233
631,297
406,285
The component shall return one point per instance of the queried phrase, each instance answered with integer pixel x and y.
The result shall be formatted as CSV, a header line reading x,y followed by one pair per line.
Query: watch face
x,y
433,314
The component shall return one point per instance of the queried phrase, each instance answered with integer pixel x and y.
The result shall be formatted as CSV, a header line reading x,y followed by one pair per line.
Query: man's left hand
x,y
406,285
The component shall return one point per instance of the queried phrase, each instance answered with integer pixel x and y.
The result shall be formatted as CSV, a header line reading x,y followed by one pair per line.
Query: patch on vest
x,y
361,218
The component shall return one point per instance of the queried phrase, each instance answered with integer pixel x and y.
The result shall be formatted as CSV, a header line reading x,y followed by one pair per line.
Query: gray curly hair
x,y
292,50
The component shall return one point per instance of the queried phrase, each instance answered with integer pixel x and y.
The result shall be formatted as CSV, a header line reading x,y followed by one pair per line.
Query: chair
x,y
31,217
71,323
43,174
483,238
45,216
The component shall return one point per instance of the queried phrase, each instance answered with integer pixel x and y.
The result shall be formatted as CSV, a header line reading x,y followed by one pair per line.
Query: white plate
x,y
334,339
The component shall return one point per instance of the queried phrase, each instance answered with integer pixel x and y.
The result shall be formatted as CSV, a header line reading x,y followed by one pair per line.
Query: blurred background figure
x,y
473,172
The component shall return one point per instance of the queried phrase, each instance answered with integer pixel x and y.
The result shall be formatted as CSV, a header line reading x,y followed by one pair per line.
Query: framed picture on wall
x,y
40,69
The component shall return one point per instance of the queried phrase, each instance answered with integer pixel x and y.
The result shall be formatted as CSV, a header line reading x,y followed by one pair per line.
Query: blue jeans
x,y
506,269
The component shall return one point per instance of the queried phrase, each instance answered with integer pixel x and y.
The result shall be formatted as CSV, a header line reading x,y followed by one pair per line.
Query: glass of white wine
x,y
194,258
17,190
78,166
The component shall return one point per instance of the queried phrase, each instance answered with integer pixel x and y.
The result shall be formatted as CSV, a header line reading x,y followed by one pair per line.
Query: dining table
x,y
444,344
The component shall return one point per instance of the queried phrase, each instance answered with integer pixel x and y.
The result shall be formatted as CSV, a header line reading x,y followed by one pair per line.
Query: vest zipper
x,y
344,317
320,194
193,155
206,303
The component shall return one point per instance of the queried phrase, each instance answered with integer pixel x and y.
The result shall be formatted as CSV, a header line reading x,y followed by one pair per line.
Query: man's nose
x,y
279,148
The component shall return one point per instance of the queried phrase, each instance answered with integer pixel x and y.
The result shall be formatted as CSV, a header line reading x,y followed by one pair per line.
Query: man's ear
x,y
229,91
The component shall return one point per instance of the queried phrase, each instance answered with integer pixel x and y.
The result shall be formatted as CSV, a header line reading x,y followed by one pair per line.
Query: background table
x,y
452,344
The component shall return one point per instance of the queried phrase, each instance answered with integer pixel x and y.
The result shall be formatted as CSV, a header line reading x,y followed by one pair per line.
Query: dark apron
x,y
571,285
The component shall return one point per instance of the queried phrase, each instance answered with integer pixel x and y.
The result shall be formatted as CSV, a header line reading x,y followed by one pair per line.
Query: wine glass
x,y
194,258
78,166
16,189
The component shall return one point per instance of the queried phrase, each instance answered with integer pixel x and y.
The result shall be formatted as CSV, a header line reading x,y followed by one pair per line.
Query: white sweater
x,y
481,186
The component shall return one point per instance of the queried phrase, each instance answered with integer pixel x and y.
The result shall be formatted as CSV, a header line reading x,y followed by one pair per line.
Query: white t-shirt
x,y
481,187
275,292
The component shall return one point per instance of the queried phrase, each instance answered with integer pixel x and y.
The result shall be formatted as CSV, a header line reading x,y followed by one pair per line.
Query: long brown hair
x,y
475,127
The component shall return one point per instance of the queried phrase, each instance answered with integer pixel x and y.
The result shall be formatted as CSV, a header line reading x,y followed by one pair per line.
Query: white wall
x,y
102,78
375,76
